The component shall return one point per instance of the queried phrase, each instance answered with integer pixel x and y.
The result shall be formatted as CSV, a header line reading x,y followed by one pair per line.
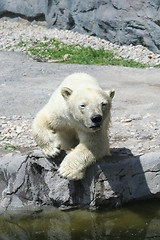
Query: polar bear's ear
x,y
66,92
111,93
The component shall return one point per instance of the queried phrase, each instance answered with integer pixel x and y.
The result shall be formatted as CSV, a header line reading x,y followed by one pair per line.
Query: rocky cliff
x,y
121,22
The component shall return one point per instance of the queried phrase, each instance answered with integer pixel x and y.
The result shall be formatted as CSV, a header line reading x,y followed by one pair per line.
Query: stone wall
x,y
121,22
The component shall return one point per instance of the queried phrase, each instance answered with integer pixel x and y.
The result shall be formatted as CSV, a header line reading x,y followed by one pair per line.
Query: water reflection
x,y
139,221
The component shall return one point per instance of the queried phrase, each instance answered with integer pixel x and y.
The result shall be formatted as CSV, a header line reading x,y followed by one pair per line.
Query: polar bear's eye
x,y
103,105
82,106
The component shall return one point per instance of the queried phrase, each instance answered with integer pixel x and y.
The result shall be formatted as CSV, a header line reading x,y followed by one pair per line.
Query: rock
x,y
33,9
31,181
121,22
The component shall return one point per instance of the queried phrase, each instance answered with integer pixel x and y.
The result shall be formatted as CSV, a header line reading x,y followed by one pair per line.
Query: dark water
x,y
137,221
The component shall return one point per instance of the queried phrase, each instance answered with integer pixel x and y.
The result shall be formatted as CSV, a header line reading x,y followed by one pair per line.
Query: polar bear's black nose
x,y
96,119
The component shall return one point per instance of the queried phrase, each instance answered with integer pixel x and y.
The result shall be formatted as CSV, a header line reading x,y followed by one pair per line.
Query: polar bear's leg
x,y
75,163
48,142
45,137
51,146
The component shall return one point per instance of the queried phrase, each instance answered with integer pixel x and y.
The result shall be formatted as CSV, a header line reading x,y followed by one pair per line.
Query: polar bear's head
x,y
88,108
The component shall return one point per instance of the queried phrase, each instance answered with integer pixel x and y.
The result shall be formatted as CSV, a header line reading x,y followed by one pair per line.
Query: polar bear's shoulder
x,y
79,81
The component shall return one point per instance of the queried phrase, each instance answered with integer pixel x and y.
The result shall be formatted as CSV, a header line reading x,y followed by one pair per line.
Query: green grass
x,y
50,50
11,147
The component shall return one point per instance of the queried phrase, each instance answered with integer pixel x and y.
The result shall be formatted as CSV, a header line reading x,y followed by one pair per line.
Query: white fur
x,y
65,122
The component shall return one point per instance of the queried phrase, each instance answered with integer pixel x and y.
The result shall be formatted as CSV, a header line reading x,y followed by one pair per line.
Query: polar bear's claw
x,y
70,173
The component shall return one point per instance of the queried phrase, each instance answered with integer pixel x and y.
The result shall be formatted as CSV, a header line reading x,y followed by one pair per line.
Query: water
x,y
138,221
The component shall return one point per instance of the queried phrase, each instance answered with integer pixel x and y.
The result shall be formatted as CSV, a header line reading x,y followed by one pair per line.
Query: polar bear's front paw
x,y
71,172
51,151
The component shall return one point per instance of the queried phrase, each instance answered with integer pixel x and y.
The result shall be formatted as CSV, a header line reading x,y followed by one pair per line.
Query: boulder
x,y
30,181
121,22
25,8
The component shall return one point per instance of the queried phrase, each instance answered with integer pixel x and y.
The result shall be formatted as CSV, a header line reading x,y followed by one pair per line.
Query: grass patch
x,y
11,147
50,50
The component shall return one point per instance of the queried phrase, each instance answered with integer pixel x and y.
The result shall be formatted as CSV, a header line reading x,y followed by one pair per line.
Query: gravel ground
x,y
12,31
16,133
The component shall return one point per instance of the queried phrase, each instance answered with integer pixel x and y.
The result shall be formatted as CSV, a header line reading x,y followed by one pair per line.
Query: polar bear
x,y
76,118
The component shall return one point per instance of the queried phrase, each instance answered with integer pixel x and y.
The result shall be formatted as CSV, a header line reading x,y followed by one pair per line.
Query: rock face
x,y
30,180
121,22
25,8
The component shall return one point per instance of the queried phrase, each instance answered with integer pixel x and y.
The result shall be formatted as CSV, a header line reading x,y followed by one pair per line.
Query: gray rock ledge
x,y
30,181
